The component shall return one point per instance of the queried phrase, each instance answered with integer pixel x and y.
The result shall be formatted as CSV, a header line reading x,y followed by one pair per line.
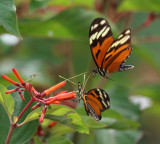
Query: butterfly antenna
x,y
72,77
84,77
87,80
67,80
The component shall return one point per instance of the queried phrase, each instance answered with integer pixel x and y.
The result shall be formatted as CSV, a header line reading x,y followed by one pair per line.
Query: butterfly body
x,y
109,54
95,101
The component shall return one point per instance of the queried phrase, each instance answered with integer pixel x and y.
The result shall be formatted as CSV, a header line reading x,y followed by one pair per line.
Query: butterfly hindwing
x,y
97,101
118,53
100,39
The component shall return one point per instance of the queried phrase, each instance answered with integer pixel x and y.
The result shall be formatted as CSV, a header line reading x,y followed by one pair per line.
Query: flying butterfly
x,y
95,101
108,53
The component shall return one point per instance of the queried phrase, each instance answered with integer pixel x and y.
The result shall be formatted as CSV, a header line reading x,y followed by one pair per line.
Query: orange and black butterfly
x,y
108,53
95,101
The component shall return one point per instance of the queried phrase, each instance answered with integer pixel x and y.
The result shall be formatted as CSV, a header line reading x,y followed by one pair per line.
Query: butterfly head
x,y
81,91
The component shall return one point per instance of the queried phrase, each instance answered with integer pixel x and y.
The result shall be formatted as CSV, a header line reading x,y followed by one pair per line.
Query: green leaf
x,y
34,4
149,90
41,3
119,99
110,119
117,137
59,140
71,24
143,5
121,124
147,55
91,123
8,17
19,104
7,101
88,3
4,125
20,135
63,115
24,133
37,141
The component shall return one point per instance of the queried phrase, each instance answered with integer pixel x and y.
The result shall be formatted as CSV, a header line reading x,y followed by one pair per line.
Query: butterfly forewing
x,y
100,39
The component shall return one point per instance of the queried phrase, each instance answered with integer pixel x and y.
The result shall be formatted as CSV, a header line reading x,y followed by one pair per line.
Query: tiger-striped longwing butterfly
x,y
108,53
95,101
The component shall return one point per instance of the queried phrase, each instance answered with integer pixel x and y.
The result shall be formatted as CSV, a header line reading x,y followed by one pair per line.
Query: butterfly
x,y
108,53
95,101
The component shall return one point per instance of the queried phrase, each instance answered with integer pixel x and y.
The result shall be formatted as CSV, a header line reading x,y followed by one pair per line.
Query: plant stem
x,y
13,126
26,107
10,133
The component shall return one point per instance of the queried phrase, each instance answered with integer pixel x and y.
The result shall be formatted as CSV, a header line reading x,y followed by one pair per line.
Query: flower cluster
x,y
36,96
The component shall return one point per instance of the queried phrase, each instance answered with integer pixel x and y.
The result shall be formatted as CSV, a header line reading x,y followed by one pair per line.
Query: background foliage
x,y
52,39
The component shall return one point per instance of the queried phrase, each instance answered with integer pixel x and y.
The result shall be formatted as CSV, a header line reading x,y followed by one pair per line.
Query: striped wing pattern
x,y
109,54
97,101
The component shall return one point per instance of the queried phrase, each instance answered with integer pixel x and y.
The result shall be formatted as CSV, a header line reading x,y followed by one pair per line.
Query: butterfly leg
x,y
125,67
94,72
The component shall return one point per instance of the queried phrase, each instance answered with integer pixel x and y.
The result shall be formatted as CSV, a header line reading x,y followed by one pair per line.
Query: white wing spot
x,y
104,104
90,40
100,94
91,28
120,36
104,94
108,102
102,22
127,32
123,40
93,36
106,31
102,30
96,25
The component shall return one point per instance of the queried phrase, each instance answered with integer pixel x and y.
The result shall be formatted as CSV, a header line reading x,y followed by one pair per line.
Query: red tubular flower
x,y
22,97
43,113
11,81
18,76
48,91
52,124
36,106
10,91
62,92
34,91
61,97
55,102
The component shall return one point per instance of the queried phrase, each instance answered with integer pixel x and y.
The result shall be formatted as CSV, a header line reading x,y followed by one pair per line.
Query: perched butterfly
x,y
95,101
109,54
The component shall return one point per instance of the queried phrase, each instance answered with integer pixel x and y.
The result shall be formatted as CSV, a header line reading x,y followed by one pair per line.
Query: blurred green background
x,y
52,40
